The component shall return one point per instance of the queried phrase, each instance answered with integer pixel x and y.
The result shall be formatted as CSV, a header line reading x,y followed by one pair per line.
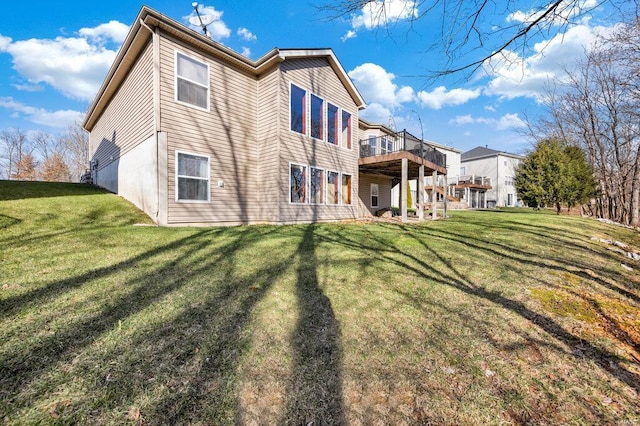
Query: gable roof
x,y
484,152
148,20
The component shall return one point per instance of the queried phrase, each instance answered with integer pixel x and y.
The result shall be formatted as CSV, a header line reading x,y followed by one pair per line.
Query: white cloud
x,y
441,97
58,119
376,86
246,51
112,30
376,113
75,66
507,121
246,34
5,42
563,13
218,30
514,76
379,13
348,35
510,121
28,87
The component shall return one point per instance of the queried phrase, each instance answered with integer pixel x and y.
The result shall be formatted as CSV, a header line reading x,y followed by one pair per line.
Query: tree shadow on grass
x,y
315,393
451,276
213,345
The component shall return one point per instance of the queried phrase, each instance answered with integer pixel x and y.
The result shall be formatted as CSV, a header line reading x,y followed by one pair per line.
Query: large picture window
x,y
298,183
298,109
317,186
346,189
333,187
332,124
346,130
192,177
317,113
192,81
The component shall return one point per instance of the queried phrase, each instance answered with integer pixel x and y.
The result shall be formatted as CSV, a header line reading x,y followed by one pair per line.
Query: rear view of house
x,y
194,133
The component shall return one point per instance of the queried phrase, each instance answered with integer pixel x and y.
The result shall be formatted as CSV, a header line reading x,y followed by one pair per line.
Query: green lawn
x,y
505,317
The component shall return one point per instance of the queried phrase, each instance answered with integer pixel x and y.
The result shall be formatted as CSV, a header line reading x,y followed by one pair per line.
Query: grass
x,y
505,317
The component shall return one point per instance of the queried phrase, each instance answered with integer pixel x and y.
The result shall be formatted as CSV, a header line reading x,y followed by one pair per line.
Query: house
x,y
499,167
194,133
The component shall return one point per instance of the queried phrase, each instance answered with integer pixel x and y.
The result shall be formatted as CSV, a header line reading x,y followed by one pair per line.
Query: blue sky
x,y
54,56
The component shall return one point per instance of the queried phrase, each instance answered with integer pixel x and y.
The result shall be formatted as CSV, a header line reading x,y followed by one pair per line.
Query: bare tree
x,y
75,142
473,32
598,109
15,146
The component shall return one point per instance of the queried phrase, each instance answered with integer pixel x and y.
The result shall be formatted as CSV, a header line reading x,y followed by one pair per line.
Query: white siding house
x,y
500,167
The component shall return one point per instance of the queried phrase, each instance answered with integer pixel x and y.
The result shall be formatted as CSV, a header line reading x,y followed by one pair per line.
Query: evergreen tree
x,y
554,173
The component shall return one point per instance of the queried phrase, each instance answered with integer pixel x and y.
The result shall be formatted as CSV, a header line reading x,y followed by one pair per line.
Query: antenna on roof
x,y
201,20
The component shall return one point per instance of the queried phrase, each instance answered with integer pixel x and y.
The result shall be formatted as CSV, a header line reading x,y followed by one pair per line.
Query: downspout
x,y
160,215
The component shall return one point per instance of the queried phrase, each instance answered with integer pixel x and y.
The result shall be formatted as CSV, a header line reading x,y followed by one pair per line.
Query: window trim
x,y
336,123
323,185
350,203
305,112
377,186
349,143
177,178
176,77
339,178
306,184
323,124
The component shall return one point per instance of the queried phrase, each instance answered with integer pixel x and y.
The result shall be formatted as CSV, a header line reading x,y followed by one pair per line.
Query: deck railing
x,y
402,141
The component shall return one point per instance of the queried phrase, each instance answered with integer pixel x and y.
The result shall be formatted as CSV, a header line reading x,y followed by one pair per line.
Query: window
x,y
317,114
332,124
373,145
374,195
317,186
386,145
346,189
298,109
333,187
463,171
192,177
508,180
509,199
298,183
192,81
346,130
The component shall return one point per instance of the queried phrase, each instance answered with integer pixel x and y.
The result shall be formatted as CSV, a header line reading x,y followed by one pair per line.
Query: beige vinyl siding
x,y
316,76
364,192
128,118
269,180
226,134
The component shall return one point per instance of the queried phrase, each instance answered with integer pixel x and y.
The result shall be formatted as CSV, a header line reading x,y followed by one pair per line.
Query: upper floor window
x,y
346,130
192,177
192,81
298,109
317,114
332,124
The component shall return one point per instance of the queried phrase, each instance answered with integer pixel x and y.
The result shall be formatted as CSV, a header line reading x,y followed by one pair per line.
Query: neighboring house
x,y
192,132
499,167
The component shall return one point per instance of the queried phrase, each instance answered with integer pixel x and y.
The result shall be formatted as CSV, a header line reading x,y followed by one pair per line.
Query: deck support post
x,y
403,189
434,197
420,192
